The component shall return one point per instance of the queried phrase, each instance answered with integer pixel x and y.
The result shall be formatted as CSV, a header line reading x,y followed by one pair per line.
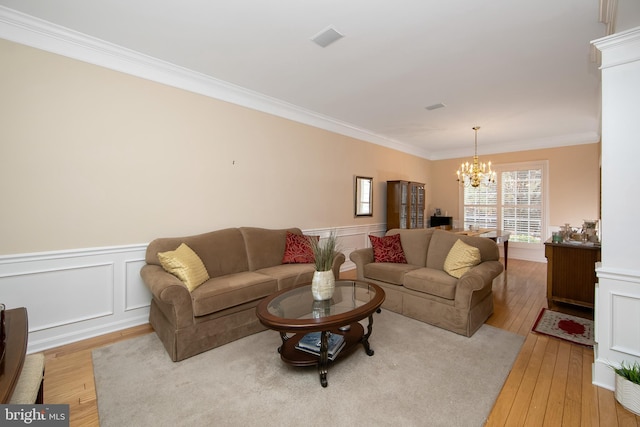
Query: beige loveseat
x,y
244,265
421,289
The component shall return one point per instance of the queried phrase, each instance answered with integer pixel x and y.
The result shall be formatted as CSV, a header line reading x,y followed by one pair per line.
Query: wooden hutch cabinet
x,y
571,273
405,204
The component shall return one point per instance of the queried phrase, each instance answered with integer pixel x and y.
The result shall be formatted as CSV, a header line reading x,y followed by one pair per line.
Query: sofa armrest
x,y
476,283
168,289
360,258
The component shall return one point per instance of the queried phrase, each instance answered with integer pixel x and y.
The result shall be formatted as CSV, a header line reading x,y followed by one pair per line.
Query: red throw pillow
x,y
298,249
387,249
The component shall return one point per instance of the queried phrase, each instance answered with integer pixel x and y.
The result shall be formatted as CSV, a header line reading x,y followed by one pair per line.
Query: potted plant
x,y
323,282
628,386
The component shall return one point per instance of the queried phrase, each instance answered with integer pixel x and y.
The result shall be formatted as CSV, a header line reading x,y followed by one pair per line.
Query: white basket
x,y
628,394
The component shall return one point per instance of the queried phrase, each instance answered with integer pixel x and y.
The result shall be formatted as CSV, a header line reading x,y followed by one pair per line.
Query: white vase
x,y
628,394
322,285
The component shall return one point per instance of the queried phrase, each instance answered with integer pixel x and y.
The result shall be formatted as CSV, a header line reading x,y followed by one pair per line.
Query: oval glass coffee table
x,y
293,311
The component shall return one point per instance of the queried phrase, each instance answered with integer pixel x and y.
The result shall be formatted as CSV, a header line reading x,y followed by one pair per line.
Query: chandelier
x,y
476,173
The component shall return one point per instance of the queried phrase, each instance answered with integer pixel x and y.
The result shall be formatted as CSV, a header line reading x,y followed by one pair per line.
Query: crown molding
x,y
607,14
524,145
28,30
619,48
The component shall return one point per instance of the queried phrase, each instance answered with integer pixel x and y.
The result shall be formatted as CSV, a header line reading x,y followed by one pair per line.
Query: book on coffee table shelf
x,y
330,356
310,343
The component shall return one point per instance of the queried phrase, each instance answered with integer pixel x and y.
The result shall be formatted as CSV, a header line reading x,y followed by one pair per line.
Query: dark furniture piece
x,y
499,236
294,311
439,221
16,329
405,204
571,273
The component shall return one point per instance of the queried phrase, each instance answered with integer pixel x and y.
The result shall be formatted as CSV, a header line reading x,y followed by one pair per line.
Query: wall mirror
x,y
364,196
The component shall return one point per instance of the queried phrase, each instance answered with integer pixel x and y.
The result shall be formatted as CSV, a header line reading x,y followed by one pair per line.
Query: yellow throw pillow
x,y
461,258
186,265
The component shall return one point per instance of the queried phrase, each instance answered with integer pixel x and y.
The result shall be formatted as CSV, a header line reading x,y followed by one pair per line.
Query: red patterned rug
x,y
564,326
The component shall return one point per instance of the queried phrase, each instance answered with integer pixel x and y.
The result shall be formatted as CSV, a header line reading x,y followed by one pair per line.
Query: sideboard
x,y
571,273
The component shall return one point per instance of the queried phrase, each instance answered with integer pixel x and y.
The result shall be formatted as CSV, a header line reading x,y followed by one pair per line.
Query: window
x,y
515,202
522,204
480,206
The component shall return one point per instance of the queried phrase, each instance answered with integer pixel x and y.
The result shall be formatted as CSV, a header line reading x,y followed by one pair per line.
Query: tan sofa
x,y
244,265
421,289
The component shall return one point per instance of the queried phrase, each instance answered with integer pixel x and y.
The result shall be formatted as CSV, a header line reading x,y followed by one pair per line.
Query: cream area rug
x,y
420,375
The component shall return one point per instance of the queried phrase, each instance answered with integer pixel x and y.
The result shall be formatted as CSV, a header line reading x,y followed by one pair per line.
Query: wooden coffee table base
x,y
294,312
353,336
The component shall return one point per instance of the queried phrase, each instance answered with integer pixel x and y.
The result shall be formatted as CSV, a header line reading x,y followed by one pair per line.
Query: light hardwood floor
x,y
549,384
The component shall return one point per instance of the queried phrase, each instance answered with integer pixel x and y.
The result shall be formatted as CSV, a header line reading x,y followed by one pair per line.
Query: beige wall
x,y
90,157
574,177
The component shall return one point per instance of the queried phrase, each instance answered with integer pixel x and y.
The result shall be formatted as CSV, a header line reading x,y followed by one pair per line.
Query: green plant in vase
x,y
628,386
631,372
324,252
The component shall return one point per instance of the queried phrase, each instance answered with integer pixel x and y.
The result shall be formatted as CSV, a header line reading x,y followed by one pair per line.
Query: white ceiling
x,y
521,70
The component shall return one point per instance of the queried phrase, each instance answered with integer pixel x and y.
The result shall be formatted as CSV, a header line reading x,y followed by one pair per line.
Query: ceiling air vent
x,y
327,36
435,106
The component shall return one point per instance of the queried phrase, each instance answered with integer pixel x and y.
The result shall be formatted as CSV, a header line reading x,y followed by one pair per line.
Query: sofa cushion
x,y
415,242
387,249
227,291
431,281
387,272
186,265
298,249
461,258
290,275
442,241
265,247
222,251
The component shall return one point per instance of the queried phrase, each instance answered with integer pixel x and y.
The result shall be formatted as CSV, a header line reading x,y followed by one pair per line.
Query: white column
x,y
617,308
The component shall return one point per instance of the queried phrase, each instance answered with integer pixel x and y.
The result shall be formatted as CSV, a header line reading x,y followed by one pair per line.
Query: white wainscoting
x,y
350,238
617,314
82,293
76,294
525,252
